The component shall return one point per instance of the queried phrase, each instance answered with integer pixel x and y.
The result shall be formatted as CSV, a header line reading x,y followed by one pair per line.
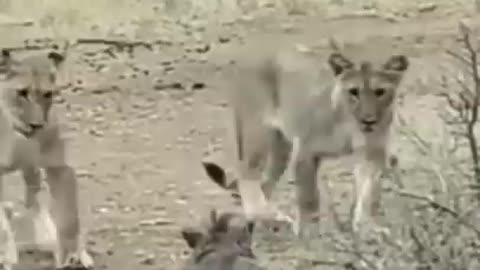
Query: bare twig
x,y
358,254
437,206
121,44
422,250
331,207
472,140
28,48
317,262
459,57
116,43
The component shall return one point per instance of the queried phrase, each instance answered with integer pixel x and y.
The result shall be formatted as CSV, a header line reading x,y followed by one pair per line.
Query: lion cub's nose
x,y
369,122
36,126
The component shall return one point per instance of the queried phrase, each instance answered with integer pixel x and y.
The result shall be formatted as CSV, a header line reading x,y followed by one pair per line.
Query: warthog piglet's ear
x,y
192,236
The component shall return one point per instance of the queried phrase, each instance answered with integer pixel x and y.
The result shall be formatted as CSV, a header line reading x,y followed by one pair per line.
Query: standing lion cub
x,y
30,140
291,115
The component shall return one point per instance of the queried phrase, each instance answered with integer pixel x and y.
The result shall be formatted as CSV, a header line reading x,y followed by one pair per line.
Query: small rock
x,y
168,69
164,86
96,133
427,7
198,86
390,17
149,259
102,210
224,39
203,48
288,27
302,48
140,253
246,18
104,90
156,222
127,209
166,63
181,201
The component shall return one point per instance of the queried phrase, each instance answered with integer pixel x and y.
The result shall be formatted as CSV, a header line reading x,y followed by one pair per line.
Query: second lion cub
x,y
291,115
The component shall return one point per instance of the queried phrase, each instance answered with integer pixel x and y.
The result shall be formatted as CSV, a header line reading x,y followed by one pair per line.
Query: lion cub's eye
x,y
23,92
379,92
353,91
48,94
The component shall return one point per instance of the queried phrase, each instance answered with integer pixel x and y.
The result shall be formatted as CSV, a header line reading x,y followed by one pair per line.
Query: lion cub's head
x,y
368,91
28,87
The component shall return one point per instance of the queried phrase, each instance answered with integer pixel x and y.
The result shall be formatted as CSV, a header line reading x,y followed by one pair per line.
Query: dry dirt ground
x,y
139,127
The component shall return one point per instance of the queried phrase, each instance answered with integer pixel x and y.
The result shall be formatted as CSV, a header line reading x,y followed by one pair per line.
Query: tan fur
x,y
290,114
31,133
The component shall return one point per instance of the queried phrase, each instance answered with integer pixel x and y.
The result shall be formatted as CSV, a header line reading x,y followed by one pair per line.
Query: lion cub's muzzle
x,y
368,125
29,130
35,127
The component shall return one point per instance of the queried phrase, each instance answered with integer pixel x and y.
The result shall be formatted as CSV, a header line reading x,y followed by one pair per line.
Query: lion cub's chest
x,y
334,140
25,153
321,130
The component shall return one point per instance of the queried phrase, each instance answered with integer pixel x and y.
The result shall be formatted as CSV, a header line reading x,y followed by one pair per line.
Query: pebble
x,y
149,259
427,7
156,222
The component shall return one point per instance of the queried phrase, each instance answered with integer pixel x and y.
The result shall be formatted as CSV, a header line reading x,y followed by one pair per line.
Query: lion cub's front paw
x,y
8,247
44,229
78,260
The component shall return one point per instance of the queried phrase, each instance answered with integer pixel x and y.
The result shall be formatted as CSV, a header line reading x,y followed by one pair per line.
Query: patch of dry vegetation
x,y
432,228
70,18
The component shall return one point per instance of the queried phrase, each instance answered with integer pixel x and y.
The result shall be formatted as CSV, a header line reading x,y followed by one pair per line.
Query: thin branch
x,y
316,262
474,111
459,57
359,254
331,207
437,206
123,43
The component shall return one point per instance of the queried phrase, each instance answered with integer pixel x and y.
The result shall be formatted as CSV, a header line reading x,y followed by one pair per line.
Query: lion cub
x,y
290,114
31,140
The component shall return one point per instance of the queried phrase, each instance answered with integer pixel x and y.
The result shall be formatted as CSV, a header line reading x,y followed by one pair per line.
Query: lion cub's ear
x,y
397,63
56,58
339,63
6,54
60,73
58,55
6,58
6,63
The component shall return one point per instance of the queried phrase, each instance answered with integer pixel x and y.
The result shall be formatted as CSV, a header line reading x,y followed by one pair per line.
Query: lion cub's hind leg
x,y
293,159
277,159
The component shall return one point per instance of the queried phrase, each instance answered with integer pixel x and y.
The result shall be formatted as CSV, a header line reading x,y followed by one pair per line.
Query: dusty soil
x,y
139,127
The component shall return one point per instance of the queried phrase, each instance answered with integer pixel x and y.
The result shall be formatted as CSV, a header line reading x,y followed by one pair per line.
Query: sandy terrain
x,y
139,126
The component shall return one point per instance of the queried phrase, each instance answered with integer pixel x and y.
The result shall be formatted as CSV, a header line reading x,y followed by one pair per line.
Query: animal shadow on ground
x,y
225,245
